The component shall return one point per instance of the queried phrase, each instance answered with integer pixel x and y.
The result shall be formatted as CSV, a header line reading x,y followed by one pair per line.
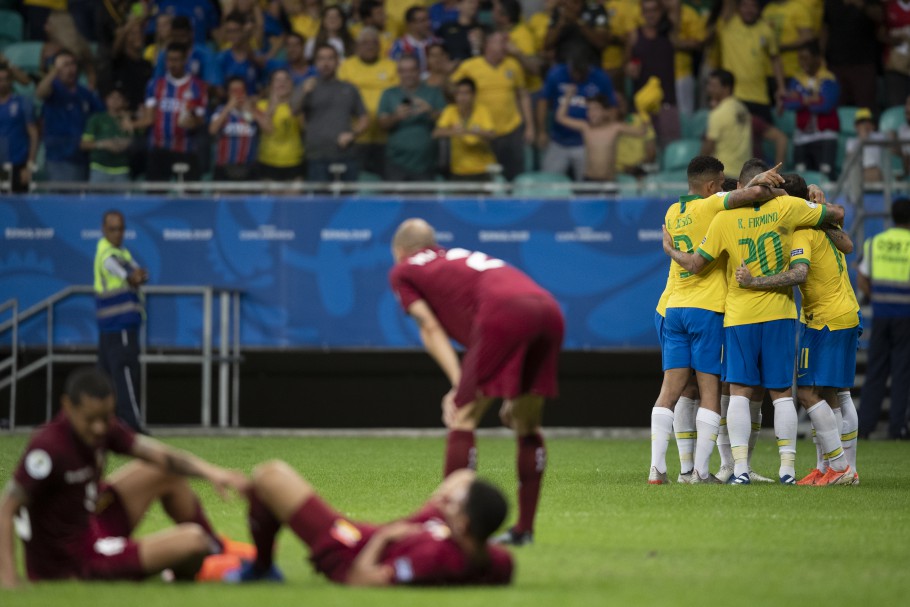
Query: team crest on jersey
x,y
38,464
345,533
811,204
438,529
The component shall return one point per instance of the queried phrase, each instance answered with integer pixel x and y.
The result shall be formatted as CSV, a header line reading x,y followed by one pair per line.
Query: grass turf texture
x,y
604,537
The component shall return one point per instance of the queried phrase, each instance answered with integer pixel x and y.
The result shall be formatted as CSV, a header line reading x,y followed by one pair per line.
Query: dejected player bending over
x,y
512,330
444,543
75,524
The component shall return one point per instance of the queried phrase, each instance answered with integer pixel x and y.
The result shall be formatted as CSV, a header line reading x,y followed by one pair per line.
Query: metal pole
x,y
235,364
12,387
223,363
207,358
50,363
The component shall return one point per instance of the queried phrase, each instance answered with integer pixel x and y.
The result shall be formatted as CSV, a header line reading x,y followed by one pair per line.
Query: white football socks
x,y
850,427
738,425
661,430
684,428
785,422
755,412
707,424
827,432
723,437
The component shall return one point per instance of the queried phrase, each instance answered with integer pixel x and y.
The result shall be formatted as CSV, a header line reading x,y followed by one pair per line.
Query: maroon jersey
x,y
432,557
60,474
459,286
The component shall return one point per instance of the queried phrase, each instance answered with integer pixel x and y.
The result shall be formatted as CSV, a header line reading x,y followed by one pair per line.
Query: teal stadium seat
x,y
892,119
667,183
847,114
816,177
367,177
786,121
678,153
10,27
694,126
542,185
25,55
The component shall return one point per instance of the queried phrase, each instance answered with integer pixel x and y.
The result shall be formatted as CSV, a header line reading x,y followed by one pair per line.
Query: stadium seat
x,y
10,27
678,153
25,55
846,115
542,185
694,126
786,121
892,119
815,177
628,184
667,183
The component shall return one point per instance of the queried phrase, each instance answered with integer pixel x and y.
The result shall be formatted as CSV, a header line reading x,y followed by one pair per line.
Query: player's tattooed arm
x,y
691,262
12,499
796,275
754,194
841,239
182,463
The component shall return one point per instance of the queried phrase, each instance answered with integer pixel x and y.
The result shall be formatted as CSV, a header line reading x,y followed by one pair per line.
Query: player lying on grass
x,y
444,543
76,524
829,333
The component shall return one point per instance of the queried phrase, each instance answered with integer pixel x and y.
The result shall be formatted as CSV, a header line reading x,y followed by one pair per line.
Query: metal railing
x,y
228,357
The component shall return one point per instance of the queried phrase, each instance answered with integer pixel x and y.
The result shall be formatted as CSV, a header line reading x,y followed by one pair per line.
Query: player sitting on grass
x,y
600,132
445,542
75,524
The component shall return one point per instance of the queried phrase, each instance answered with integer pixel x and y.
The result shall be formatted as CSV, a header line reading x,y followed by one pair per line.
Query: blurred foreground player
x,y
512,330
444,543
75,524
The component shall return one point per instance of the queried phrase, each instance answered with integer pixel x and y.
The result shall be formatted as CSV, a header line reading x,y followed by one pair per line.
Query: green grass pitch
x,y
604,537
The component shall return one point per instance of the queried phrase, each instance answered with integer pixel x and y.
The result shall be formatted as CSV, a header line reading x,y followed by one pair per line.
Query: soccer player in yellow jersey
x,y
692,336
828,337
759,344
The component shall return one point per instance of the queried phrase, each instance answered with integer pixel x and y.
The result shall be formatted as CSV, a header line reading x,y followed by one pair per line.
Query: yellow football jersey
x,y
786,19
825,301
371,79
760,237
746,51
471,154
664,297
688,221
497,86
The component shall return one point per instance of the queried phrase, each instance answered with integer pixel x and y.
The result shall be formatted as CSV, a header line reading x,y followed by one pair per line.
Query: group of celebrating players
x,y
728,313
728,316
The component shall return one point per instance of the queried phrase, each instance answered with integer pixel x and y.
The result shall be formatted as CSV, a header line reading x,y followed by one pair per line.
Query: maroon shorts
x,y
514,350
334,540
110,554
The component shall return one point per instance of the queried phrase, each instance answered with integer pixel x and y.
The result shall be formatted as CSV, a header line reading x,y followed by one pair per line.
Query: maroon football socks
x,y
263,527
532,460
460,451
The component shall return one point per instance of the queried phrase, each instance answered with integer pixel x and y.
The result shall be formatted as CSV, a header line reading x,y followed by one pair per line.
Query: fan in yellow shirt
x,y
522,44
371,74
470,128
791,23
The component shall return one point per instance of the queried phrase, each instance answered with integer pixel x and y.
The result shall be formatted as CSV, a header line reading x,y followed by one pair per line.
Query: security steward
x,y
119,311
884,277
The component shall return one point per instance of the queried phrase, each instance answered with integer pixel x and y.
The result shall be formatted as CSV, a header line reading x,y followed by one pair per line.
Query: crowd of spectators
x,y
312,90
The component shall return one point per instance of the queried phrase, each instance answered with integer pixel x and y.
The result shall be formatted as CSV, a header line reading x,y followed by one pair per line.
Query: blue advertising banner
x,y
314,271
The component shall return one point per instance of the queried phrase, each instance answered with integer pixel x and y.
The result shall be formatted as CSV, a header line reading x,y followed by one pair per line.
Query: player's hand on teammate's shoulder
x,y
816,195
743,275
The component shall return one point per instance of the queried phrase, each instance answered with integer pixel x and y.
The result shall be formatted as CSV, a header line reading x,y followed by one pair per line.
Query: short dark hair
x,y
110,212
729,184
900,211
795,185
751,168
438,45
234,79
366,8
182,22
702,168
512,9
296,35
486,508
603,100
812,47
726,79
176,47
236,17
468,82
320,47
87,381
411,14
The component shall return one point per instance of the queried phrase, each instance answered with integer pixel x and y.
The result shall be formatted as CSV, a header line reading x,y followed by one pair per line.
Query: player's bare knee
x,y
195,540
269,473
